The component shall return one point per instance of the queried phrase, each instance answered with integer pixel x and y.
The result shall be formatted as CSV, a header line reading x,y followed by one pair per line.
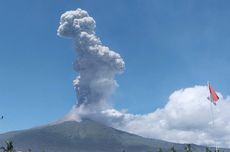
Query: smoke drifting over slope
x,y
96,64
185,118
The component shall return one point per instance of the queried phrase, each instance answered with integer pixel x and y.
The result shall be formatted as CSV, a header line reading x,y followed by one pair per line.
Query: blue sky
x,y
167,45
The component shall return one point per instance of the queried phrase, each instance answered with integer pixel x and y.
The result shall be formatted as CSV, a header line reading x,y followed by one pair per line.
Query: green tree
x,y
188,148
173,149
9,147
160,150
217,150
207,149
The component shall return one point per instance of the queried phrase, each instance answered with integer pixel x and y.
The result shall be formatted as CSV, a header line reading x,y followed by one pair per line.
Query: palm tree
x,y
207,149
188,148
217,150
9,147
173,149
160,150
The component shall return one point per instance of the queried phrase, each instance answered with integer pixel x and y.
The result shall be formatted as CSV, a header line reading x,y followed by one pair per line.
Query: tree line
x,y
9,147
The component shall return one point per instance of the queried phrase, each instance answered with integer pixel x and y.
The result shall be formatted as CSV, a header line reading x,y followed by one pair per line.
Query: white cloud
x,y
186,118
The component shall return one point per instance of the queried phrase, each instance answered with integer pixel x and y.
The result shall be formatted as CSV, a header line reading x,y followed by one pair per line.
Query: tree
x,y
173,149
160,150
9,147
217,150
207,149
188,148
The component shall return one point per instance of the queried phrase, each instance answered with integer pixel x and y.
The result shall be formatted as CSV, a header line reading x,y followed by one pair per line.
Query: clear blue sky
x,y
167,45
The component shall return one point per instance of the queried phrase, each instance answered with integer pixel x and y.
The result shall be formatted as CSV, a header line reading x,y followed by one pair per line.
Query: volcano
x,y
85,136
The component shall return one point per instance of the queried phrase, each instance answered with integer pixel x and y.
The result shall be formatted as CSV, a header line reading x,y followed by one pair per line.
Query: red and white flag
x,y
213,96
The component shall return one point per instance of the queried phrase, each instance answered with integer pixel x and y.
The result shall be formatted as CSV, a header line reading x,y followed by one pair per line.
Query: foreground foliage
x,y
9,147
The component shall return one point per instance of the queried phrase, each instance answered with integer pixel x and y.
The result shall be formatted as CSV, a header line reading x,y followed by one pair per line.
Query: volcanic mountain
x,y
86,136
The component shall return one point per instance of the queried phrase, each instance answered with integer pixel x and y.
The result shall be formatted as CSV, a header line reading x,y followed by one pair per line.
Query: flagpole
x,y
213,122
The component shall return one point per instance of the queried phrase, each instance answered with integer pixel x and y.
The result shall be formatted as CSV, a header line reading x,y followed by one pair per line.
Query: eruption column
x,y
96,64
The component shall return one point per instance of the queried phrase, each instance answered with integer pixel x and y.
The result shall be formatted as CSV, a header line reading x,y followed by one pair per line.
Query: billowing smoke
x,y
185,118
96,64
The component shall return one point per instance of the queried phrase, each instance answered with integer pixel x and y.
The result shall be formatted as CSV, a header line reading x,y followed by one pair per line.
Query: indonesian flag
x,y
213,96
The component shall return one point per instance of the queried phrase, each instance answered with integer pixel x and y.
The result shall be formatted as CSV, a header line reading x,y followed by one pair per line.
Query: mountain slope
x,y
85,136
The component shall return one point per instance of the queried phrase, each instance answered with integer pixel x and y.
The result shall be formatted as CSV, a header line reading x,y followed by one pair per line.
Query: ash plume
x,y
184,119
95,63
